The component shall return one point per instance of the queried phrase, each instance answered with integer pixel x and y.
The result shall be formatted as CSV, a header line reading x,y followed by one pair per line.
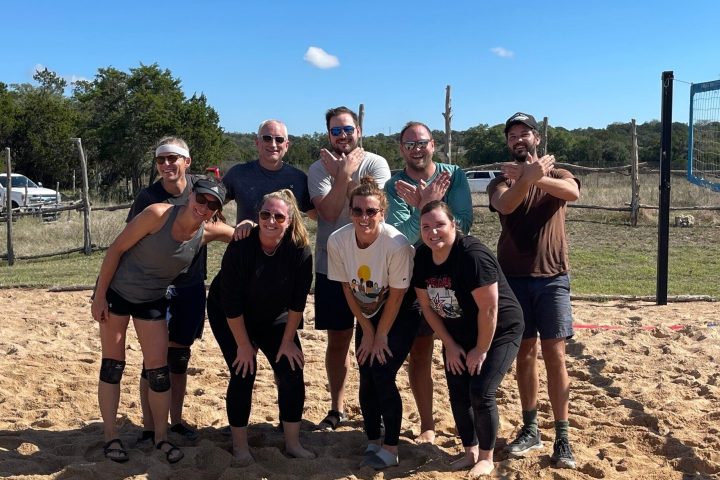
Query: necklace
x,y
271,253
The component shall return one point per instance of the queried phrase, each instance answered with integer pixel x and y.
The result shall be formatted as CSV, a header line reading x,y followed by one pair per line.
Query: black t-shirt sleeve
x,y
233,279
422,256
141,203
478,267
303,281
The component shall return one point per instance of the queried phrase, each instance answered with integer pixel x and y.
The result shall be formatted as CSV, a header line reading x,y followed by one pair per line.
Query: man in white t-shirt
x,y
330,179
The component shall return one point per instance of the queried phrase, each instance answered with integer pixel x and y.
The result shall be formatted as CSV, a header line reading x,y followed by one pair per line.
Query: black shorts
x,y
153,310
331,308
186,313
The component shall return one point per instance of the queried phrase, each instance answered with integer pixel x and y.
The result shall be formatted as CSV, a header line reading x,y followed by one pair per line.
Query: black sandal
x,y
172,454
331,420
116,454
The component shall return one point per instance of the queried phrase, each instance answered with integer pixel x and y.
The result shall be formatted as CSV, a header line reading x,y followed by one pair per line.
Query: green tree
x,y
485,145
43,123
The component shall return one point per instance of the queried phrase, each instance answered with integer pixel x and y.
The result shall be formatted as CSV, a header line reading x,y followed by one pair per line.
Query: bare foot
x,y
467,461
428,436
242,458
481,468
299,452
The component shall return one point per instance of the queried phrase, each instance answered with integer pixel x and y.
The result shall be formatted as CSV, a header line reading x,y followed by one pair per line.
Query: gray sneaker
x,y
525,441
562,456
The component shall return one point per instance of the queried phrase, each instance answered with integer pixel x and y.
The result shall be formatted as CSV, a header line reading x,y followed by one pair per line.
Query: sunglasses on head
x,y
421,144
359,212
203,200
168,158
266,215
336,131
270,138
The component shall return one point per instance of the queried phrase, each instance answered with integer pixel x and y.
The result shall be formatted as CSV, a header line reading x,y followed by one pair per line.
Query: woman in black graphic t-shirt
x,y
467,301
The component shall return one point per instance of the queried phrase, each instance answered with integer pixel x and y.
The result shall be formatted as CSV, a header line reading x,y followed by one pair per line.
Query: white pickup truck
x,y
26,194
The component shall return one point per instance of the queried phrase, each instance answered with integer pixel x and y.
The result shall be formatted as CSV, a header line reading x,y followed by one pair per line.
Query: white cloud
x,y
502,52
319,58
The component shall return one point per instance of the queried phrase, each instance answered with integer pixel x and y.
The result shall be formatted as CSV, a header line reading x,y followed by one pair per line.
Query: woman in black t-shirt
x,y
467,301
256,302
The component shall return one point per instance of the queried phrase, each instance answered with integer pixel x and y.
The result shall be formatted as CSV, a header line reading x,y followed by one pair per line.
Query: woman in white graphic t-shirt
x,y
373,260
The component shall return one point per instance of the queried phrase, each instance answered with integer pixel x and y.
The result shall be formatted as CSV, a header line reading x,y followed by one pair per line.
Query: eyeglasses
x,y
210,204
168,158
270,138
336,131
421,144
359,212
266,215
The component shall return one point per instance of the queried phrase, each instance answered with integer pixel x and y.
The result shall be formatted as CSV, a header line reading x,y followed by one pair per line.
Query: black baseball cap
x,y
523,118
205,185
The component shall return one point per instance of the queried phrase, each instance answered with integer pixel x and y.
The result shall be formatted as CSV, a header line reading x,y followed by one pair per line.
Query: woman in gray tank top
x,y
149,253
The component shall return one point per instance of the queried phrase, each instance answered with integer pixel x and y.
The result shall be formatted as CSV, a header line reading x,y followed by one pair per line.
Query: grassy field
x,y
607,256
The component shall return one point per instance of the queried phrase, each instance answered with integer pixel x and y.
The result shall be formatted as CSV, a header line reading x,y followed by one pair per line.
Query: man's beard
x,y
523,156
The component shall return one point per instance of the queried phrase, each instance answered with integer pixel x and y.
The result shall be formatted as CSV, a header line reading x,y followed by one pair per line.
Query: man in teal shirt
x,y
421,181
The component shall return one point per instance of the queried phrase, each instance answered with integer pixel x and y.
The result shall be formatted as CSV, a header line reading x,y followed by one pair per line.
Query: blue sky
x,y
582,64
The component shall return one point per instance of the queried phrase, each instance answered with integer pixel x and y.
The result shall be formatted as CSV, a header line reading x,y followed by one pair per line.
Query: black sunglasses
x,y
168,158
270,138
336,131
203,200
359,212
421,144
279,217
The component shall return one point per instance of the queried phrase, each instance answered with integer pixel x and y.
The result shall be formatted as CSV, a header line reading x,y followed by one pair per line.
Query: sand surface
x,y
645,403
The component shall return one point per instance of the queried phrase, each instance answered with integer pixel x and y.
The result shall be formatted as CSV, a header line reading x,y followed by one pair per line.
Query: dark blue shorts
x,y
186,313
545,302
154,310
331,308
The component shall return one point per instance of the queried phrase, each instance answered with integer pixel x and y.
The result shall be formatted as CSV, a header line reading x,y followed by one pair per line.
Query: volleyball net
x,y
704,135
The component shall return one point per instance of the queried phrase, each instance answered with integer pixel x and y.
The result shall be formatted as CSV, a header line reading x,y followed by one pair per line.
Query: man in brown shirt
x,y
530,198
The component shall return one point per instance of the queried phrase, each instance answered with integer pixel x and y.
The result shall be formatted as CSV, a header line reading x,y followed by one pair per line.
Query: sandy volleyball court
x,y
645,403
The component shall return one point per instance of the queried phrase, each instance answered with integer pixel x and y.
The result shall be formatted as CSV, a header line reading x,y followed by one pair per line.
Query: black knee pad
x,y
159,379
111,371
178,359
143,372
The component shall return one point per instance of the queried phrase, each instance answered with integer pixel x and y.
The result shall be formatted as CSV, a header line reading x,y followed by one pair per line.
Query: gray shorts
x,y
545,303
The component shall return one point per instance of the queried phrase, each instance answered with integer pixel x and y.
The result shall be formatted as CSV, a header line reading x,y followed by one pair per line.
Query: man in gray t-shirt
x,y
247,183
330,179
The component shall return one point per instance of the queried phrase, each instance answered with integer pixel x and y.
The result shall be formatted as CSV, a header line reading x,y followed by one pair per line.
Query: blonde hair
x,y
369,188
297,228
174,140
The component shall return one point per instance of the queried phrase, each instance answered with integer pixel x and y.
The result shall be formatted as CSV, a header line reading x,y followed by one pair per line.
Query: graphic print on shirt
x,y
368,294
442,297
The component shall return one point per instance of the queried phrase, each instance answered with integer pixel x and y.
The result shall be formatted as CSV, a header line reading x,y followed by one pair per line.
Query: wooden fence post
x,y
361,117
8,206
87,246
448,125
635,179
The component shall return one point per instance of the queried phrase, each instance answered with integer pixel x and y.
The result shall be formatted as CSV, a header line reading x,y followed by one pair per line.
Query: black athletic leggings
x,y
290,384
472,397
380,400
